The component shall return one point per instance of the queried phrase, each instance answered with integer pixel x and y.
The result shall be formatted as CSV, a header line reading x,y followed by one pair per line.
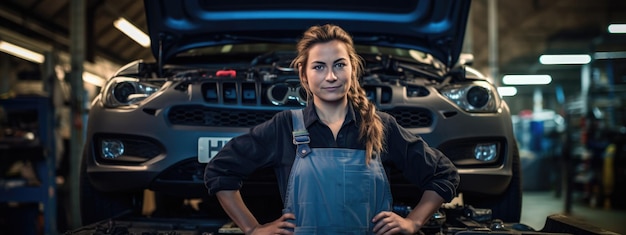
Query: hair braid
x,y
371,129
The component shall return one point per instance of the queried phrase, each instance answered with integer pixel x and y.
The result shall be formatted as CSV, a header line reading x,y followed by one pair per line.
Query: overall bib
x,y
333,190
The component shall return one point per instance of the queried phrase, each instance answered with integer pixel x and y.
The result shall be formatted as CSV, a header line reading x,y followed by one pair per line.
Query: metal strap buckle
x,y
301,137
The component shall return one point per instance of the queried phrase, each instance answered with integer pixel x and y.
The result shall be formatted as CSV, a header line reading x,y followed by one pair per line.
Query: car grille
x,y
189,171
411,117
198,115
242,104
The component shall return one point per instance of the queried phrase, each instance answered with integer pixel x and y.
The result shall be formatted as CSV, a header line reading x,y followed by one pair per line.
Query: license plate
x,y
209,146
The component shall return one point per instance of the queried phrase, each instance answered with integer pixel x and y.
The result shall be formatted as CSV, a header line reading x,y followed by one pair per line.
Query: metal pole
x,y
585,83
566,177
50,206
493,41
77,52
468,41
5,65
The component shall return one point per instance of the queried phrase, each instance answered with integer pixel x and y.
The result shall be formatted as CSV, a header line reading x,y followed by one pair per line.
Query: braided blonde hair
x,y
371,131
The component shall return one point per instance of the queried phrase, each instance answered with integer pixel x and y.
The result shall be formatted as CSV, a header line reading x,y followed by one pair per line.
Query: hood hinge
x,y
160,55
446,42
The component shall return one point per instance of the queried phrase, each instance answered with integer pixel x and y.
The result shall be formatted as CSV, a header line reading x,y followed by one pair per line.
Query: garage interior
x,y
576,119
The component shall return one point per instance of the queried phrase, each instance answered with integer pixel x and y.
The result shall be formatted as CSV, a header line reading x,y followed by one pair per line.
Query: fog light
x,y
112,148
485,152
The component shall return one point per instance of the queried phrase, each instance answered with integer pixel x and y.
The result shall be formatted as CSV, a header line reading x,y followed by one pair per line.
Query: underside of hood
x,y
436,27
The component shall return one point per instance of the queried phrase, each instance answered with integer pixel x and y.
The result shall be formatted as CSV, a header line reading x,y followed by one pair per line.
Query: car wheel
x,y
96,205
508,205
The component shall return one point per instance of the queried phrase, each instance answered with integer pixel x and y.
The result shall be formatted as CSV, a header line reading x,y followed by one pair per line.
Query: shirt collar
x,y
310,114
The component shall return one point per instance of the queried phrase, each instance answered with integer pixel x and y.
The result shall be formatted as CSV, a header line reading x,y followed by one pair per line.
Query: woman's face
x,y
328,72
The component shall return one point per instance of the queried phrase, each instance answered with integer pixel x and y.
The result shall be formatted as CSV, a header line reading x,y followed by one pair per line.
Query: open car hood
x,y
436,27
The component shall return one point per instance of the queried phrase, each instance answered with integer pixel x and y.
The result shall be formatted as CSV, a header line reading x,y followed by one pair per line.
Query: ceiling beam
x,y
21,21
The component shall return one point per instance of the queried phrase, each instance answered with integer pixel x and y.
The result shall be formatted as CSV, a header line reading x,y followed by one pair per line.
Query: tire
x,y
508,205
96,206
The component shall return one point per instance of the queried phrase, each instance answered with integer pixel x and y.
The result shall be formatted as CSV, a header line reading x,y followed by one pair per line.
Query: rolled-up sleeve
x,y
444,178
228,168
426,167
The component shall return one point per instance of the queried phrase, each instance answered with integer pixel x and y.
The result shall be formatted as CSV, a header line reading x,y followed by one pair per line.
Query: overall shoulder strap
x,y
300,134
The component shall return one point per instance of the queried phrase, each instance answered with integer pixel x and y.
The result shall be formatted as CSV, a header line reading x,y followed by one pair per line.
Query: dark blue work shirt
x,y
270,144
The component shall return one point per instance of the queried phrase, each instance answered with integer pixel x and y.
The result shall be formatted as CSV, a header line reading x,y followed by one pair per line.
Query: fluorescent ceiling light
x,y
21,52
526,79
132,31
507,91
565,59
617,28
93,79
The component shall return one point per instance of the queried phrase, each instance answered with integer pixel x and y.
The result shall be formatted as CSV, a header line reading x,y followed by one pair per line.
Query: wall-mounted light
x,y
132,31
526,79
617,28
507,91
21,52
565,59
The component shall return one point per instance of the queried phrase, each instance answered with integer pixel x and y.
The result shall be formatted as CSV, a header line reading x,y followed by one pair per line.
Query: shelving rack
x,y
38,148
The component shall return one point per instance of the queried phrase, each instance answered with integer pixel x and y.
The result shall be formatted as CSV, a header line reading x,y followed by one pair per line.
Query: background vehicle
x,y
222,68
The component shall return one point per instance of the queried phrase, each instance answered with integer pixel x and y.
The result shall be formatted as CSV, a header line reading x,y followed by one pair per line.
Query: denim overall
x,y
333,190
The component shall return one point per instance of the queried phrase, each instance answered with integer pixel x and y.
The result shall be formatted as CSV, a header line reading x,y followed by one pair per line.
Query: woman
x,y
329,155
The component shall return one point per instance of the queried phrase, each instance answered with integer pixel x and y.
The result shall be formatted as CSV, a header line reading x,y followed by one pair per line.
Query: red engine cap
x,y
226,73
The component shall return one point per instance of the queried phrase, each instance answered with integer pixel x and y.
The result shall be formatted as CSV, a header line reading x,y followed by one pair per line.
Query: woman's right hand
x,y
280,226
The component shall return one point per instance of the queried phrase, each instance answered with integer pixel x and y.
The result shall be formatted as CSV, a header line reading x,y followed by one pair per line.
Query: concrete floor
x,y
538,205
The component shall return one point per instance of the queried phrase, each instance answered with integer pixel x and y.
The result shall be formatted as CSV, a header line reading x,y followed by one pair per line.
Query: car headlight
x,y
476,97
126,91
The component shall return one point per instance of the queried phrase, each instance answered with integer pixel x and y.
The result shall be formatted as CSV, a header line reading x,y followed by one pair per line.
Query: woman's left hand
x,y
388,223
